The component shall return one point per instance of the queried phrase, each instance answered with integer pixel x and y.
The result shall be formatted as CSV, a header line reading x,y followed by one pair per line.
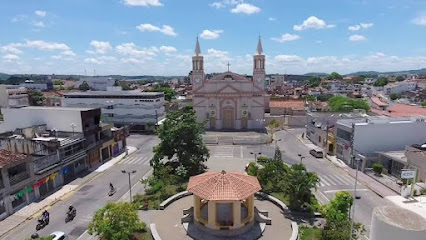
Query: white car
x,y
58,235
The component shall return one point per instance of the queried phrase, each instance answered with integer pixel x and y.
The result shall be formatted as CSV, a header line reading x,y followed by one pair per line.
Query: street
x,y
94,194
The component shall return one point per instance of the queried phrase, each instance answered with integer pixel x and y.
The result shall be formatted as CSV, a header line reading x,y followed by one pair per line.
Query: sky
x,y
157,37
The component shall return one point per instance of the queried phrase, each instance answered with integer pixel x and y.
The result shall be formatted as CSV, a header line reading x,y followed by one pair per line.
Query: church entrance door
x,y
212,122
244,123
228,118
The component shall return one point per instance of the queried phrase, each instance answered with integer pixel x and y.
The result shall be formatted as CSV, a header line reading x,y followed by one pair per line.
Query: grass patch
x,y
310,233
156,194
282,198
144,235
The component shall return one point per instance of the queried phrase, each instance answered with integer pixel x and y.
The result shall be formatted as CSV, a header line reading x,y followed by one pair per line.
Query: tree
x,y
116,221
378,168
400,78
338,223
297,185
36,98
277,155
423,104
382,81
84,86
58,82
180,136
116,83
344,104
324,97
314,81
169,93
334,75
395,96
311,98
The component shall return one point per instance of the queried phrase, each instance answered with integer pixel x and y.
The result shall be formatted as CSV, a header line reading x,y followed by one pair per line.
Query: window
x,y
343,134
319,139
110,115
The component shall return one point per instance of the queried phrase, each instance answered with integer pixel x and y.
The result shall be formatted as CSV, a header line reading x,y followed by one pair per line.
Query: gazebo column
x,y
197,207
250,206
236,206
212,214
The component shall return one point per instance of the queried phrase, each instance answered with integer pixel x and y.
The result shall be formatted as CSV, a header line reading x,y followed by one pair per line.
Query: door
x,y
212,122
244,122
228,118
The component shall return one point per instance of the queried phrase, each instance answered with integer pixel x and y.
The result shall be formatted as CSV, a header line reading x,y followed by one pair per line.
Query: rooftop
x,y
378,102
57,108
292,104
7,157
223,185
112,93
395,155
402,110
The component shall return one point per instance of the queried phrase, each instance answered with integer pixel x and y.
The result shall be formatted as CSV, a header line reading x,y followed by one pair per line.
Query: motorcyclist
x,y
72,210
111,187
45,216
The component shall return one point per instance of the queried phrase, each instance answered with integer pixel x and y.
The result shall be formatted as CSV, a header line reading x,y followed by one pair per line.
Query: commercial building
x,y
376,134
43,148
140,110
13,96
98,83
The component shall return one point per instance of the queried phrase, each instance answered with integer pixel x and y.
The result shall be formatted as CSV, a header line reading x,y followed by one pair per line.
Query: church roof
x,y
223,185
229,74
259,49
197,48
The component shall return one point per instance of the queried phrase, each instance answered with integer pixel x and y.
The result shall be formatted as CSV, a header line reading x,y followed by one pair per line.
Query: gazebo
x,y
223,200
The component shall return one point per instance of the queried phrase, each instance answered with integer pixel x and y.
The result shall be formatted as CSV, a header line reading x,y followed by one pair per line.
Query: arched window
x,y
258,64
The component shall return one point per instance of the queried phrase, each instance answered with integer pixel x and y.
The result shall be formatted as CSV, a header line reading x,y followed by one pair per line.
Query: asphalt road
x,y
94,194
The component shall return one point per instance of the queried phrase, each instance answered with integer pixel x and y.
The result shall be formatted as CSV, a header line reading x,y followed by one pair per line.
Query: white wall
x,y
53,118
4,102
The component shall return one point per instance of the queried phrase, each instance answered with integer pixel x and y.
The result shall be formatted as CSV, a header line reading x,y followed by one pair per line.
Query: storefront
x,y
48,184
20,199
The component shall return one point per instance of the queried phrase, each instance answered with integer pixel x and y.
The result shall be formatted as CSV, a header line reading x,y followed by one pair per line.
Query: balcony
x,y
18,178
45,162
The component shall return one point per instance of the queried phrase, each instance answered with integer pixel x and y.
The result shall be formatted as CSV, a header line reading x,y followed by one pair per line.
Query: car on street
x,y
316,153
59,235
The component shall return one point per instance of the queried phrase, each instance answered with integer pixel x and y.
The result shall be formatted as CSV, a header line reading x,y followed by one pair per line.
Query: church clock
x,y
259,79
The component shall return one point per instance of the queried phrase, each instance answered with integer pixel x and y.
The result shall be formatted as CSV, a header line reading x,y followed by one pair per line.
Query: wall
x,y
57,118
417,158
4,96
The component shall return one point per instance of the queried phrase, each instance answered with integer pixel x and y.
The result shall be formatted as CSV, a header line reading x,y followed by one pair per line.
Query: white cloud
x,y
130,60
39,24
420,20
10,57
313,22
168,49
40,13
99,47
12,48
130,49
19,18
143,3
107,58
92,61
318,41
357,37
217,5
217,53
210,34
366,25
42,45
165,29
57,57
245,8
319,60
224,3
286,38
359,26
69,53
288,58
272,19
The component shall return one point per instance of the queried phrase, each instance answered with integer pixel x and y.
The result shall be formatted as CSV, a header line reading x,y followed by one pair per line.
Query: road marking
x,y
241,152
323,195
324,181
345,180
329,179
350,190
82,234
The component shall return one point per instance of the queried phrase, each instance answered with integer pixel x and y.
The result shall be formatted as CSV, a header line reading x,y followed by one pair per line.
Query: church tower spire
x,y
197,49
197,74
259,49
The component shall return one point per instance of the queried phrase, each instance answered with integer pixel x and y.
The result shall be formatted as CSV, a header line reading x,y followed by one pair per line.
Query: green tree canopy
x,y
116,221
395,96
344,104
58,82
297,185
423,104
324,97
169,93
382,81
314,81
36,98
400,78
84,86
334,75
180,136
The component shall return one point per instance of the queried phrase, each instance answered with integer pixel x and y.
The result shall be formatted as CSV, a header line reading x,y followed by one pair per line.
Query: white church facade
x,y
230,101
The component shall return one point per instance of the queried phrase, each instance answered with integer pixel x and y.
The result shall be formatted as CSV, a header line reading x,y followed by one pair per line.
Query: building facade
x,y
230,100
13,97
136,109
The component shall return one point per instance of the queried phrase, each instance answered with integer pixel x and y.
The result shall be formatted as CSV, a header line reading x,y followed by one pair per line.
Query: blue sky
x,y
138,37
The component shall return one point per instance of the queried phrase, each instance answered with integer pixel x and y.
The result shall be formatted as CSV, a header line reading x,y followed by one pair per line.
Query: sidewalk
x,y
417,204
34,209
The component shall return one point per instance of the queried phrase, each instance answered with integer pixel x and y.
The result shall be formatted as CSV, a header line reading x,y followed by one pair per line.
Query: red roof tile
x,y
294,105
7,157
402,110
378,102
223,185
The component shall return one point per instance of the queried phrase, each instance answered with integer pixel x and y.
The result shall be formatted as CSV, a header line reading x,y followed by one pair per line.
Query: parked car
x,y
59,235
316,153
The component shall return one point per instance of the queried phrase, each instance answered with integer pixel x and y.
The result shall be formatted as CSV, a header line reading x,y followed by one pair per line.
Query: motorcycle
x,y
111,192
42,223
70,216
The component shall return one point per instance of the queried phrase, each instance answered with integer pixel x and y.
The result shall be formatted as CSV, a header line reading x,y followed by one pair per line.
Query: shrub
x,y
378,168
262,159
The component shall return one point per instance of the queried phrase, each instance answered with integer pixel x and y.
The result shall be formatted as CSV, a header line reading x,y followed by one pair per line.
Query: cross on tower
x,y
228,66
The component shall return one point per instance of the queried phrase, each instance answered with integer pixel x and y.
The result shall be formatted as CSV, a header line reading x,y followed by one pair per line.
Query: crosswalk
x,y
137,159
222,151
335,180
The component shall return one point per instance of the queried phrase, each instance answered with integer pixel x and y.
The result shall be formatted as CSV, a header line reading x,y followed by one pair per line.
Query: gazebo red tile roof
x,y
223,185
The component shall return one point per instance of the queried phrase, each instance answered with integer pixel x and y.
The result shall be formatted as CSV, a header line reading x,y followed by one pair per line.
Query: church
x,y
230,101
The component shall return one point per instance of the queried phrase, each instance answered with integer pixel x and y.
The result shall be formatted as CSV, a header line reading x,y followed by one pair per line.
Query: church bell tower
x,y
197,74
259,66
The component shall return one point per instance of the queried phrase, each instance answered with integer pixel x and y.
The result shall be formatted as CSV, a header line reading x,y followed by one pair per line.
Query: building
x,y
416,157
140,110
372,135
378,104
43,152
400,87
30,84
230,100
13,97
98,83
401,110
287,107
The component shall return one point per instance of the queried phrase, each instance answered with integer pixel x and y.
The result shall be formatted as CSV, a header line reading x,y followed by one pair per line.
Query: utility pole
x,y
130,185
353,208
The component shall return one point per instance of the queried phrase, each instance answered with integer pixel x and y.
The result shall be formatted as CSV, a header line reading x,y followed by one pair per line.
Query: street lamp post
x,y
255,155
73,126
301,158
130,185
355,198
